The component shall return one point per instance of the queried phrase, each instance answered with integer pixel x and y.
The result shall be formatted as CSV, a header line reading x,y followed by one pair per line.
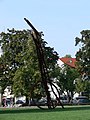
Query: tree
x,y
66,79
13,44
79,84
28,75
83,55
82,87
83,60
19,61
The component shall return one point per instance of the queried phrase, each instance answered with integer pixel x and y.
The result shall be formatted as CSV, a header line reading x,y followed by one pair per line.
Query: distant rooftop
x,y
69,61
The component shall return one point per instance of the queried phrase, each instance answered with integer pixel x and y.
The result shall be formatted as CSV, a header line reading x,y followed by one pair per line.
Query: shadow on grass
x,y
37,110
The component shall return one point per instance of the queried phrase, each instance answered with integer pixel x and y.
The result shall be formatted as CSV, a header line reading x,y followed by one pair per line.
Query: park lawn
x,y
68,113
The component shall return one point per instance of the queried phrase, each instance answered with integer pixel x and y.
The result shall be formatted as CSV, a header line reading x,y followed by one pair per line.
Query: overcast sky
x,y
60,20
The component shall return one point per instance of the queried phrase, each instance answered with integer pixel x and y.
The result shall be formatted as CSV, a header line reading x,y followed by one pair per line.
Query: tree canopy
x,y
19,63
66,78
83,55
83,62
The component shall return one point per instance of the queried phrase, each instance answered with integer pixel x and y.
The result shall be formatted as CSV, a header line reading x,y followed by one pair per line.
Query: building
x,y
69,61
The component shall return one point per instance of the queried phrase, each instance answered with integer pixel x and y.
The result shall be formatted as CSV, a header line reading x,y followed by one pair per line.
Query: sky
x,y
60,20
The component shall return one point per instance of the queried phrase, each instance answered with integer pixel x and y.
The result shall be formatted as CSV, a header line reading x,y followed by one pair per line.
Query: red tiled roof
x,y
69,61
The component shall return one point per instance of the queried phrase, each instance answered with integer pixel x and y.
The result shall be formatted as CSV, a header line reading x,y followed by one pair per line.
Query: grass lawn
x,y
68,113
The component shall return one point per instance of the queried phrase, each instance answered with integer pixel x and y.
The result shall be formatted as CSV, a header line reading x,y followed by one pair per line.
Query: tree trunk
x,y
27,100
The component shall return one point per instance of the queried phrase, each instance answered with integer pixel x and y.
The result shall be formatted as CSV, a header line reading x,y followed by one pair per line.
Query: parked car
x,y
81,100
35,102
19,103
64,99
41,102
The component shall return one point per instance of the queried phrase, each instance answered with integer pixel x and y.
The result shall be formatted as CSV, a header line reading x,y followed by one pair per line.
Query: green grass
x,y
68,113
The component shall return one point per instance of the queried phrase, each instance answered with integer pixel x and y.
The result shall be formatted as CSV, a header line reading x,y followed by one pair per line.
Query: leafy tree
x,y
13,44
19,60
66,79
82,87
83,55
27,75
83,60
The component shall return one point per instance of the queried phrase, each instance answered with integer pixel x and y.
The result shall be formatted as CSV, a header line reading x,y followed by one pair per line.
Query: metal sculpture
x,y
43,68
